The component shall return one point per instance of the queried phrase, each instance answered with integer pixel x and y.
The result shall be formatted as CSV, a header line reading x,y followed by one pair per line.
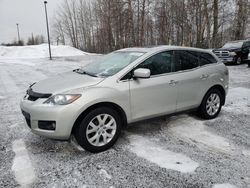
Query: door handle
x,y
173,82
204,76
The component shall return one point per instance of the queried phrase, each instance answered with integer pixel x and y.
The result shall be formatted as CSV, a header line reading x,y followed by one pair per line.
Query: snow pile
x,y
38,51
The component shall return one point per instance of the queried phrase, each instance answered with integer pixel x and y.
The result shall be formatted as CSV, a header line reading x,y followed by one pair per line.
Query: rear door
x,y
191,79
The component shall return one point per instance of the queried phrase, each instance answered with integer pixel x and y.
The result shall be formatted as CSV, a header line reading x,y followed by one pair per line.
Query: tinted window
x,y
245,44
159,64
206,58
185,60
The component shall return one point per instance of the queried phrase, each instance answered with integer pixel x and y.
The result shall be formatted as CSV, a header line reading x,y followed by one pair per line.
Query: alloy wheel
x,y
213,104
101,130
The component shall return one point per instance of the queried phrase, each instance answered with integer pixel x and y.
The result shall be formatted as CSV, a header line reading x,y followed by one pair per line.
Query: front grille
x,y
33,96
222,54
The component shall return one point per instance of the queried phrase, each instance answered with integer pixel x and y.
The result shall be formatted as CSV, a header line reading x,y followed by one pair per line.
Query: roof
x,y
147,49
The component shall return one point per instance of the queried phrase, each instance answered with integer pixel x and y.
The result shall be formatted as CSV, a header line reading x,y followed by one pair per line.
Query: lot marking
x,y
154,153
22,167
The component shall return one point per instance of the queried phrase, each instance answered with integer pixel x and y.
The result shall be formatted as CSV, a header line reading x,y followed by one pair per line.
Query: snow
x,y
22,167
246,153
164,158
38,51
75,144
226,185
194,131
238,100
105,175
8,82
2,97
157,146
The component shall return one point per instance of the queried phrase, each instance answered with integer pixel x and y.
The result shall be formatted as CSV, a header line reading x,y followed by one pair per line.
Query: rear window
x,y
206,59
185,60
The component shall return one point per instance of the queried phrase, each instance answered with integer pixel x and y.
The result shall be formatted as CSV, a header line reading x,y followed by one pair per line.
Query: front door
x,y
156,95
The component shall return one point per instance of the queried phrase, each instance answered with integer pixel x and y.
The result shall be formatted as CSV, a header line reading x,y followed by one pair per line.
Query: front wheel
x,y
238,60
99,129
211,104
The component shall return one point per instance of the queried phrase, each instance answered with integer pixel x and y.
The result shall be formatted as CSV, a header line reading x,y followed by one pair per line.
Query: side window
x,y
248,44
206,58
245,45
185,60
159,64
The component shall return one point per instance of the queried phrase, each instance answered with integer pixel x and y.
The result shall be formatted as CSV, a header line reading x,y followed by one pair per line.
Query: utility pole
x,y
47,23
18,34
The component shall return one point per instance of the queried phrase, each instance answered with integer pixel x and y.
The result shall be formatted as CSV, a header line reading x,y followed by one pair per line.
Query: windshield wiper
x,y
80,71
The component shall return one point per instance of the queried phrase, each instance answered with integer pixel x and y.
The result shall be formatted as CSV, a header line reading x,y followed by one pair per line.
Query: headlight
x,y
62,99
232,54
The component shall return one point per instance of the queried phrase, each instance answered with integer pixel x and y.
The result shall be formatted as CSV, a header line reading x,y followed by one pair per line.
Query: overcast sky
x,y
28,13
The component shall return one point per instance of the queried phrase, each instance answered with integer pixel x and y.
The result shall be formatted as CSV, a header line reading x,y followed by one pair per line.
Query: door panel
x,y
152,97
156,95
191,88
190,78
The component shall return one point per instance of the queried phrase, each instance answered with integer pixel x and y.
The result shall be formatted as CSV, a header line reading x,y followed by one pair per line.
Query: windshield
x,y
233,45
111,64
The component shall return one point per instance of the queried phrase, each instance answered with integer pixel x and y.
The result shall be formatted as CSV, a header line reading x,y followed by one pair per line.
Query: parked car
x,y
234,52
94,102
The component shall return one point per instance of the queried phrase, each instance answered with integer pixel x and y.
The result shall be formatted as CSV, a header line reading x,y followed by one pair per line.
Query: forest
x,y
102,26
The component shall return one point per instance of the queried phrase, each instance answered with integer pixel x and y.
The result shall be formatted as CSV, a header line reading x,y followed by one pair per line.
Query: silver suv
x,y
94,102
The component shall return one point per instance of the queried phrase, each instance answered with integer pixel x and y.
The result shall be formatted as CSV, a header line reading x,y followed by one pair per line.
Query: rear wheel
x,y
211,104
99,129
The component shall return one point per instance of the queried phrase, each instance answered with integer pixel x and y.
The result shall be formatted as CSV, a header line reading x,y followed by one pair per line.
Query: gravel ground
x,y
179,151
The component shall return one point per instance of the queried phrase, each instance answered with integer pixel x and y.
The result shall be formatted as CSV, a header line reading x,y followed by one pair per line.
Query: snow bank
x,y
38,51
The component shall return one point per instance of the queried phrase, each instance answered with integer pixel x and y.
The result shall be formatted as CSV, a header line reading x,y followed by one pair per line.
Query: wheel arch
x,y
221,89
112,105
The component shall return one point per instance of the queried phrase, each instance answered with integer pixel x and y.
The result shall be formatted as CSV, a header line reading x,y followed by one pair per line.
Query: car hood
x,y
233,49
65,82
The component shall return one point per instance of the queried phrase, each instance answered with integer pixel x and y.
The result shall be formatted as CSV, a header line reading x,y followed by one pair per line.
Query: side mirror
x,y
142,73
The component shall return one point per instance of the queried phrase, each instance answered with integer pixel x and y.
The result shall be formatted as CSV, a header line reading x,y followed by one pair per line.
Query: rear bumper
x,y
63,116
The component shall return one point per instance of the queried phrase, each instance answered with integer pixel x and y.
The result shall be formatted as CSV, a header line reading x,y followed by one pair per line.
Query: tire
x,y
99,130
209,109
238,60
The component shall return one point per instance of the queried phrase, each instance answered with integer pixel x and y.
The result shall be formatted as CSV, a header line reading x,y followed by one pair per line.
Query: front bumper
x,y
64,116
227,59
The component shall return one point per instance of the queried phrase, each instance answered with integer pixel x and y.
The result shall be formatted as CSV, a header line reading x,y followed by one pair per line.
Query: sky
x,y
29,14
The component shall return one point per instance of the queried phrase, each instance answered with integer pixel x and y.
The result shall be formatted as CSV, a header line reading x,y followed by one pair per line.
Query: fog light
x,y
47,125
